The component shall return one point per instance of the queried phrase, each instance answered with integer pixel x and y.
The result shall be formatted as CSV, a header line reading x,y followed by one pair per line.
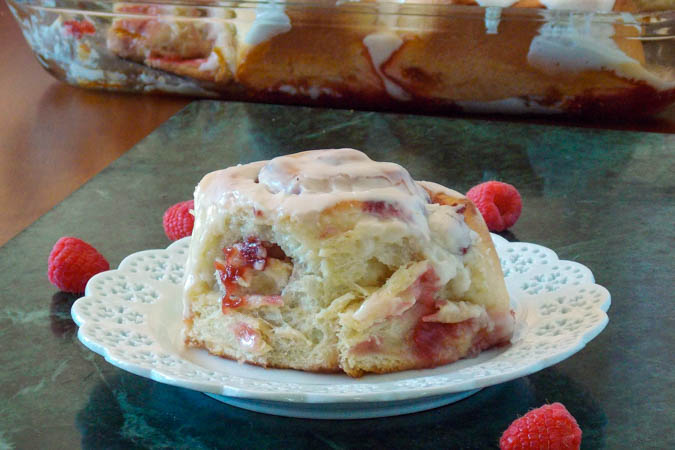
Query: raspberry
x,y
499,203
178,221
551,427
78,28
72,262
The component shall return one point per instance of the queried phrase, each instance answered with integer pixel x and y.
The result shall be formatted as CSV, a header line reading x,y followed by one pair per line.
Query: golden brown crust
x,y
357,372
414,364
195,343
496,286
653,5
310,61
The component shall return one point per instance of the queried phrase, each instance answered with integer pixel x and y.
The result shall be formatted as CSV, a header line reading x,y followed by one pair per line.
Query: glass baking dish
x,y
605,58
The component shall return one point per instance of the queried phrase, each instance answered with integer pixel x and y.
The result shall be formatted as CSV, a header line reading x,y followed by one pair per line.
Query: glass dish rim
x,y
415,9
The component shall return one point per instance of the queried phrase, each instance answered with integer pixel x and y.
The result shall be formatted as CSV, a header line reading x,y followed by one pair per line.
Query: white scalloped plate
x,y
132,317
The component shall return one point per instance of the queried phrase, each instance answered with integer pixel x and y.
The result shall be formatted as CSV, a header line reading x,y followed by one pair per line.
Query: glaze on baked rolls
x,y
580,57
328,261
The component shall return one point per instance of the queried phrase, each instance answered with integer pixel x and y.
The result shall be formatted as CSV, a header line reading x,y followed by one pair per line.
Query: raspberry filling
x,y
425,288
435,343
432,338
77,28
382,209
371,345
423,291
240,259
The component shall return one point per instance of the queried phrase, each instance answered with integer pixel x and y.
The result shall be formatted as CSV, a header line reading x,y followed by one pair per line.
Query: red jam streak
x,y
425,287
77,29
429,338
251,254
371,345
436,343
434,338
382,209
424,290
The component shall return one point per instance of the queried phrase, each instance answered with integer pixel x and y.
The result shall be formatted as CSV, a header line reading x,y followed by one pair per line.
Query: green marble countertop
x,y
603,198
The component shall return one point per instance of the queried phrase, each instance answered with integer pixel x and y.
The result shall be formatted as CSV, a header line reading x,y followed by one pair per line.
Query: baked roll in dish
x,y
177,39
523,56
328,261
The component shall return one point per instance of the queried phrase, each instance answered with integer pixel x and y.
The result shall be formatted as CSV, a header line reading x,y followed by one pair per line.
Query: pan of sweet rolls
x,y
591,58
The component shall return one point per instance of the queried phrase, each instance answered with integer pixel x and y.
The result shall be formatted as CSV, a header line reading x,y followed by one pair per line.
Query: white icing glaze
x,y
499,3
54,46
580,5
153,81
448,229
575,44
577,5
339,170
454,312
312,92
388,13
270,20
630,20
288,89
302,185
221,36
211,64
82,73
561,47
380,48
49,40
493,16
388,301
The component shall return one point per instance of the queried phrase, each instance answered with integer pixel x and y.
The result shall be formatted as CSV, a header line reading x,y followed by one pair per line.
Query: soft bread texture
x,y
355,268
